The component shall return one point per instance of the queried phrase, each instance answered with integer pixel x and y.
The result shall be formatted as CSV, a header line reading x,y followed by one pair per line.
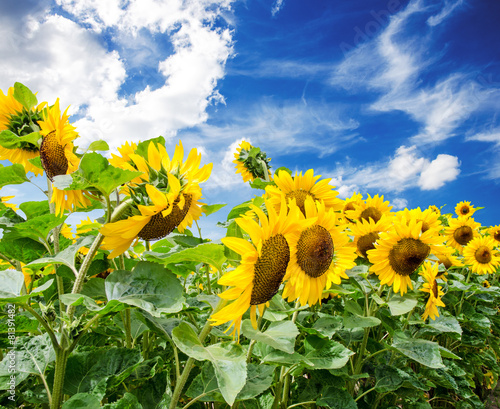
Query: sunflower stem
x,y
209,285
127,323
459,308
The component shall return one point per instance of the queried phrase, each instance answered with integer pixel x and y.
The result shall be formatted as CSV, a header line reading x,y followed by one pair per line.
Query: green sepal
x,y
10,140
24,96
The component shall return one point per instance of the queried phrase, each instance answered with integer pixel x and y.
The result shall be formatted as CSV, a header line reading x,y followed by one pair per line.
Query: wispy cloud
x,y
445,12
277,6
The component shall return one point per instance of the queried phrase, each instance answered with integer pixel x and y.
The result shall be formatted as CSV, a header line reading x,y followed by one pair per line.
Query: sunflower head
x,y
461,231
349,205
366,233
464,209
481,255
435,209
494,232
371,208
251,162
429,273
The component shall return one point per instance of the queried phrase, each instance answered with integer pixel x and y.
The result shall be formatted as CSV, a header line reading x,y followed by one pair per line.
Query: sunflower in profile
x,y
481,255
263,263
447,259
429,273
366,233
355,199
494,232
401,251
461,231
14,117
300,187
371,208
166,196
58,157
320,255
251,162
464,209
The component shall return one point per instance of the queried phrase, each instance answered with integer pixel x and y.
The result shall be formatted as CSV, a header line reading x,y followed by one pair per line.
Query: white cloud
x,y
492,136
399,203
448,8
445,168
277,6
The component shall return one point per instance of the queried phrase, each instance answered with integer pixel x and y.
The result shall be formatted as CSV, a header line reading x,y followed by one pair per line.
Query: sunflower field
x,y
308,301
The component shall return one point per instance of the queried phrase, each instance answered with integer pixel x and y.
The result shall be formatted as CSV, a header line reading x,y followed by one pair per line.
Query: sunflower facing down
x,y
480,254
263,265
250,166
429,273
58,158
15,118
300,187
464,209
461,231
371,208
319,256
399,252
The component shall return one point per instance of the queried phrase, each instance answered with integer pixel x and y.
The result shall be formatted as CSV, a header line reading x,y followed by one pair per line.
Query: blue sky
x,y
399,98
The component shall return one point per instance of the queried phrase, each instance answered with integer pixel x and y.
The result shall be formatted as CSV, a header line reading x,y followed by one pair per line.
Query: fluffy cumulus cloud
x,y
67,57
445,168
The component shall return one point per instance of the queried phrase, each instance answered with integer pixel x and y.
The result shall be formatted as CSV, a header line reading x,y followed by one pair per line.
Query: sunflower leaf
x,y
37,228
95,172
12,175
148,286
142,147
420,350
98,146
11,285
279,335
10,140
401,305
34,209
325,354
227,358
208,253
209,209
24,96
24,249
336,398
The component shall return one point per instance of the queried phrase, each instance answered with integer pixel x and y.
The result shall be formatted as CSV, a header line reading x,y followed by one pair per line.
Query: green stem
x,y
209,285
82,332
45,325
310,402
459,308
60,370
197,398
364,393
181,382
127,323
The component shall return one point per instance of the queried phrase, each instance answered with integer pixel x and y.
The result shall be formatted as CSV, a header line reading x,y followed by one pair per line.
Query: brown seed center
x,y
367,242
407,255
464,210
300,197
435,289
270,269
496,236
463,235
483,255
315,251
160,226
52,155
371,212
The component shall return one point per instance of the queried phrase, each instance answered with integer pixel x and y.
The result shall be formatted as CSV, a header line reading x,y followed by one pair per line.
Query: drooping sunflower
x,y
14,117
371,208
429,273
464,209
263,265
58,157
481,255
320,255
461,230
494,232
251,165
300,187
400,251
366,233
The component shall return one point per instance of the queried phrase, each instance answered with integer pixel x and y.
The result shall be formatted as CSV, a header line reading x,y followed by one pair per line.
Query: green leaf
x,y
284,358
325,354
37,228
327,326
95,172
23,324
99,145
446,324
228,359
35,209
10,140
209,209
137,326
239,210
335,398
207,253
401,305
11,284
36,162
82,400
279,335
128,401
32,356
356,321
446,353
142,147
86,370
233,230
259,379
12,175
390,378
149,286
420,350
24,96
66,257
205,384
25,250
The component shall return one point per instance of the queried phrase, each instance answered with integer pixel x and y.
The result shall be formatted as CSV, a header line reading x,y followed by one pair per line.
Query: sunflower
x,y
494,232
366,233
446,258
263,263
371,208
430,219
14,117
66,232
461,231
399,252
464,209
480,254
429,273
300,187
319,256
4,199
251,164
435,209
58,157
356,198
